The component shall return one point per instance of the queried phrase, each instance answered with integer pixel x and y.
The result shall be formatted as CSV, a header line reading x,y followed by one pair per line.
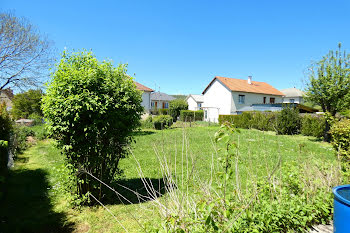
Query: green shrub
x,y
162,121
147,123
5,123
175,106
256,120
92,109
163,111
40,131
19,138
288,121
312,125
27,103
340,133
189,116
38,119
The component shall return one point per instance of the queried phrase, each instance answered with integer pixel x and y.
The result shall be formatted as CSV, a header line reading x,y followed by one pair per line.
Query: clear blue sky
x,y
180,46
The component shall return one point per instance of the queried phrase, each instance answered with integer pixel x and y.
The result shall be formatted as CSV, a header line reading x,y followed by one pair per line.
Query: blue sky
x,y
179,46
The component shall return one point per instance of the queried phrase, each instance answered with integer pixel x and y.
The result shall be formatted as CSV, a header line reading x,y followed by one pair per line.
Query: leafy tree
x,y
329,83
175,107
26,104
92,109
24,53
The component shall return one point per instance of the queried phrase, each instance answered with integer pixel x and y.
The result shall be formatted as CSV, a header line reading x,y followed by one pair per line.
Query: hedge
x,y
188,115
311,124
162,121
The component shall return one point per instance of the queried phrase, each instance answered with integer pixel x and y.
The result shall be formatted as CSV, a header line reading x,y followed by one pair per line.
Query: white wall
x,y
217,100
251,98
146,101
192,104
298,100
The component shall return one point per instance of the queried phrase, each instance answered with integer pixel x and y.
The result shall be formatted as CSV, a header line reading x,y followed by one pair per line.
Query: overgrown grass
x,y
187,151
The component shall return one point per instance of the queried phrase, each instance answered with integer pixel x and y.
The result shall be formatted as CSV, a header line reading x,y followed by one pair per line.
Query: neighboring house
x,y
226,95
6,95
146,96
160,100
293,95
194,102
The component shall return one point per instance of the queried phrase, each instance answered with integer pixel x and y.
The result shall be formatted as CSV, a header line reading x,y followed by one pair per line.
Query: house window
x,y
166,105
205,114
199,105
272,100
291,101
241,99
264,100
152,104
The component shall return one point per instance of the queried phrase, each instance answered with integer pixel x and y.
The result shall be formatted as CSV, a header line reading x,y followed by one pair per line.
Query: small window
x,y
199,105
241,99
205,114
152,104
166,105
272,100
291,101
264,100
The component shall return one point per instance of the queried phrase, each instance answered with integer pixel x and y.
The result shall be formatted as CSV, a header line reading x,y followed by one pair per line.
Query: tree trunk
x,y
326,136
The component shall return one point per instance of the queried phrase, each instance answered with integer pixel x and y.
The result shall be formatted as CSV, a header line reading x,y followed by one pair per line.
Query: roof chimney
x,y
249,79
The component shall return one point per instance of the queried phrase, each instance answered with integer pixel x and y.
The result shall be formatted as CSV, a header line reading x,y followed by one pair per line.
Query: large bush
x,y
340,133
176,106
312,125
189,116
162,121
256,120
288,121
92,109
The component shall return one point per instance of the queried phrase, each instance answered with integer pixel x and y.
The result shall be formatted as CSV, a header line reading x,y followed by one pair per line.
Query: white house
x,y
224,96
194,102
293,95
146,96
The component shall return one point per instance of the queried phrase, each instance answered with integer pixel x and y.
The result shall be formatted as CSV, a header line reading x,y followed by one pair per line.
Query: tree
x,y
24,53
26,104
329,84
92,109
176,106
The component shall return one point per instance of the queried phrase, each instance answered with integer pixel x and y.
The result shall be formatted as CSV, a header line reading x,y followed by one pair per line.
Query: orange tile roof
x,y
141,87
241,85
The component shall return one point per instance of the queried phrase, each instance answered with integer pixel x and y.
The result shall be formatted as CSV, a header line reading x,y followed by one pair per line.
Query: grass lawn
x,y
33,205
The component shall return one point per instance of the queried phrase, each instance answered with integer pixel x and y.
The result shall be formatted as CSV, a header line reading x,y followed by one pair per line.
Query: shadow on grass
x,y
315,139
143,133
136,191
26,206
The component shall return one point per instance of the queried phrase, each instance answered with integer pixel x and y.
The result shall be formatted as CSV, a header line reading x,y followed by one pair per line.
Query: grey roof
x,y
197,98
161,96
292,92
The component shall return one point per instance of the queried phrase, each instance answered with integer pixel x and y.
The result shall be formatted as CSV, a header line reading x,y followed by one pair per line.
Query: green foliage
x,y
175,106
257,120
189,116
5,123
40,131
340,132
288,121
38,119
26,104
147,123
162,121
163,111
19,138
329,84
92,109
312,125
